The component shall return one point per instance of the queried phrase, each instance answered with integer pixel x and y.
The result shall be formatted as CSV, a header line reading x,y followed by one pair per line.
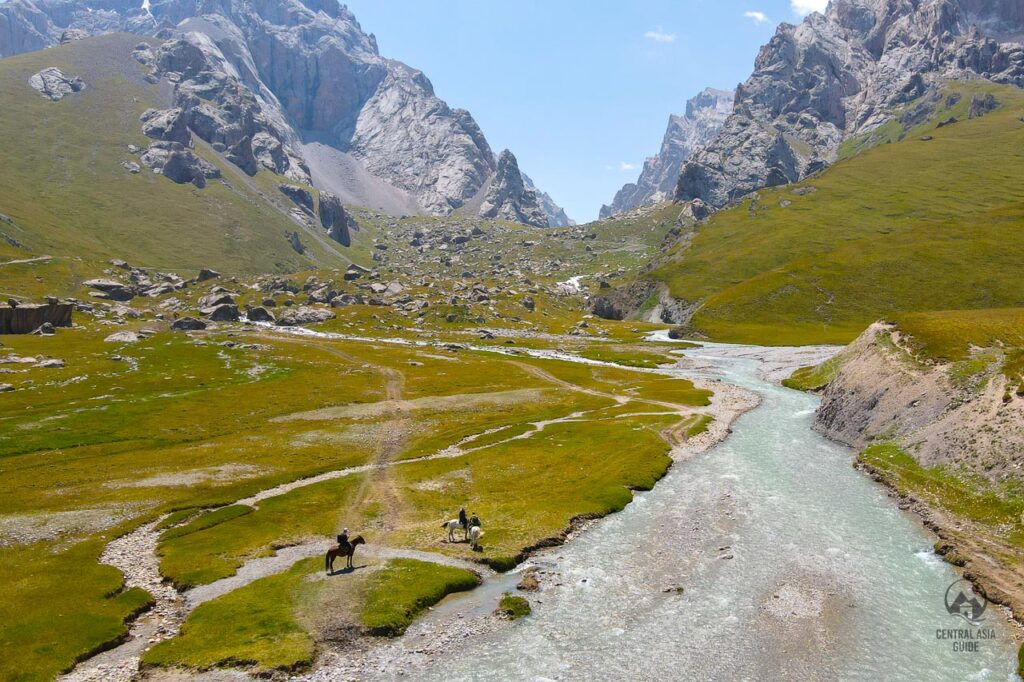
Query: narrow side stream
x,y
793,566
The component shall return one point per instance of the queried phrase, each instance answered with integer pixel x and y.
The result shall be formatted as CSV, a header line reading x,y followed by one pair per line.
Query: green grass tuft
x,y
404,588
513,606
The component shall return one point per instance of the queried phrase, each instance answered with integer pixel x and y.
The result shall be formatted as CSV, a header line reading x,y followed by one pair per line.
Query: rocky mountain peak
x,y
843,73
509,198
705,113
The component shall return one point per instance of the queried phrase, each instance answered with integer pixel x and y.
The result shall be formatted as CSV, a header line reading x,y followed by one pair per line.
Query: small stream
x,y
793,566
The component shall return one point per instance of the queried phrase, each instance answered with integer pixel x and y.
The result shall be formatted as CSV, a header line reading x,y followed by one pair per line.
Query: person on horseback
x,y
462,518
343,541
474,520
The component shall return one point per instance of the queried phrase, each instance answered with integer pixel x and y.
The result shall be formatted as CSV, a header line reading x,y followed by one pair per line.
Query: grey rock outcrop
x,y
555,213
705,114
508,197
175,162
52,84
168,125
336,220
841,74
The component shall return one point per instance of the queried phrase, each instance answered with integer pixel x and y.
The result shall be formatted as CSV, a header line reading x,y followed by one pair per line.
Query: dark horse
x,y
336,551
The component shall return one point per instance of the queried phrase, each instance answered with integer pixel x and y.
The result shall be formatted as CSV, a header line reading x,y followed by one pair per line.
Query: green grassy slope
x,y
907,225
64,187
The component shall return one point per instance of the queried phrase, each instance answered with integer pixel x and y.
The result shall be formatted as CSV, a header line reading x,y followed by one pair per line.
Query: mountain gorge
x,y
306,93
685,134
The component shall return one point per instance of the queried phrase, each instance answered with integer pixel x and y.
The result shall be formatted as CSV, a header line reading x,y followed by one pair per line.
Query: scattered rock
x,y
131,166
114,290
52,84
226,312
175,162
300,196
982,104
122,337
168,125
206,274
189,324
304,315
260,314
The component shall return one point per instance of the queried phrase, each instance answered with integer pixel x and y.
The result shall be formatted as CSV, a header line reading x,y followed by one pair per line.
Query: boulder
x,y
241,155
226,312
206,274
295,242
112,289
982,104
338,223
300,196
175,162
168,125
214,300
122,337
304,315
27,318
260,314
52,84
188,324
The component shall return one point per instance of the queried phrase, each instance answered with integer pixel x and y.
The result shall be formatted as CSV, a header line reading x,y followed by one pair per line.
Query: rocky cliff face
x,y
508,197
555,213
841,74
685,134
291,71
939,412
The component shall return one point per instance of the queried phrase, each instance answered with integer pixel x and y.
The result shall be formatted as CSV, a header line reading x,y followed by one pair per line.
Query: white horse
x,y
474,537
453,526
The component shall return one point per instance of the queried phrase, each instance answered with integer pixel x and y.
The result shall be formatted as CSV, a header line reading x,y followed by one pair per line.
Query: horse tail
x,y
444,525
327,561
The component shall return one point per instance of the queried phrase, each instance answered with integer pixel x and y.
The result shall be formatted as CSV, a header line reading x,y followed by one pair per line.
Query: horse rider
x,y
474,520
462,518
343,541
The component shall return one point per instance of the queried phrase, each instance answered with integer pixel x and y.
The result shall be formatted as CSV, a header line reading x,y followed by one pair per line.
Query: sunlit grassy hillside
x,y
932,221
63,185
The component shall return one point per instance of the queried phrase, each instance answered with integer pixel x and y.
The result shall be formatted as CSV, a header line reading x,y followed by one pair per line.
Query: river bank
x,y
791,563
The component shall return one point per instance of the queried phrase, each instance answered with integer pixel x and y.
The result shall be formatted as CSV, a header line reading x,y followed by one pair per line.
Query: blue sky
x,y
579,90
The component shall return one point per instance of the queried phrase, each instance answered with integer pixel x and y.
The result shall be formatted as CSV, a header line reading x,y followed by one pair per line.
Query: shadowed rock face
x,y
279,71
704,117
841,74
509,198
52,84
27,318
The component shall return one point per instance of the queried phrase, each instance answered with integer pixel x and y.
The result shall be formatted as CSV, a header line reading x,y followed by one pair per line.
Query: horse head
x,y
357,540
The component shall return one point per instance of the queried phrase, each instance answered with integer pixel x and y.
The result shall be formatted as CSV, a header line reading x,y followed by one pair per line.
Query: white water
x,y
827,580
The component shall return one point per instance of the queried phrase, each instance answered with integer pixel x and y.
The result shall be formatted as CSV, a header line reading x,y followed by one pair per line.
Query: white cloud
x,y
759,17
625,166
659,36
805,7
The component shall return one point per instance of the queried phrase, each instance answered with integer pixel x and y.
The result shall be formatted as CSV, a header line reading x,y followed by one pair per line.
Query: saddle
x,y
342,549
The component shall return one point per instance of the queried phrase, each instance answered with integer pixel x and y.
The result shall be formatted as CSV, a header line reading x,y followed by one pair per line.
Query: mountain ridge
x,y
319,78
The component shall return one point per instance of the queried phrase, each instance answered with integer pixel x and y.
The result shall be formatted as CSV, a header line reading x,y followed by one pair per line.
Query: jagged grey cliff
x,y
685,134
842,73
318,101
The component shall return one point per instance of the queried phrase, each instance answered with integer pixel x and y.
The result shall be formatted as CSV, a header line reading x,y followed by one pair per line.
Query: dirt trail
x,y
135,553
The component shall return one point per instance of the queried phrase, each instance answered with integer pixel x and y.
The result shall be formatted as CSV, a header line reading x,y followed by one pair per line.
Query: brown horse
x,y
336,551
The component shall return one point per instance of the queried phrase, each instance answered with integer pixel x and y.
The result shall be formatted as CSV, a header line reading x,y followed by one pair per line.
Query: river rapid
x,y
792,566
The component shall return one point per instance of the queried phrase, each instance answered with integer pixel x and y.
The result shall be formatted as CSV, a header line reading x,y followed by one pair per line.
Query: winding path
x,y
135,554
